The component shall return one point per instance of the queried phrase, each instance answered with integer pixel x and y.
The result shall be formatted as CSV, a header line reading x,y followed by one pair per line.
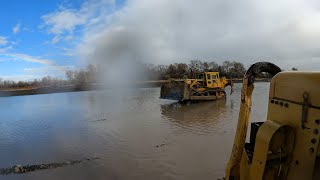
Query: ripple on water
x,y
123,129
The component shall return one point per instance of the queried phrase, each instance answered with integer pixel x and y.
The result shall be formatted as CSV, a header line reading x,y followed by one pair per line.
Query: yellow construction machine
x,y
285,146
205,86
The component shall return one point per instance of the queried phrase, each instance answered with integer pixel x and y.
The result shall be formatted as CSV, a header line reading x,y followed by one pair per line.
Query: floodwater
x,y
134,134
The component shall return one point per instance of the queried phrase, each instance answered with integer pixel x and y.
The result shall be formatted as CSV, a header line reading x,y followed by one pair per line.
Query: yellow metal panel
x,y
291,85
244,166
264,136
271,138
287,88
303,159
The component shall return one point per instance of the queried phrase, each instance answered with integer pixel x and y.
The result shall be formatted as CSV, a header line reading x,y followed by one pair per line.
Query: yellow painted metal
x,y
272,144
204,98
307,140
201,89
244,166
233,167
211,79
287,144
209,85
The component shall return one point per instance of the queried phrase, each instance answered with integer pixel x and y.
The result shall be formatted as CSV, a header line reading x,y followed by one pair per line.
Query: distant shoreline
x,y
76,88
42,90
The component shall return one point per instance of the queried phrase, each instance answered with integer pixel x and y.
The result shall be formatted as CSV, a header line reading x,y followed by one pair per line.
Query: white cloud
x,y
5,49
25,57
49,68
55,39
30,74
3,41
22,77
5,45
64,21
68,38
168,31
52,70
68,51
16,28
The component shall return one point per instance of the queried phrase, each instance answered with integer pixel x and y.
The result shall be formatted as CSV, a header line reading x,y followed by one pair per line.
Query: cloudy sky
x,y
39,38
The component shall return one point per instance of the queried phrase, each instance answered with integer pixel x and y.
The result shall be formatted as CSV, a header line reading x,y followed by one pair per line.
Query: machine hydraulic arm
x,y
233,167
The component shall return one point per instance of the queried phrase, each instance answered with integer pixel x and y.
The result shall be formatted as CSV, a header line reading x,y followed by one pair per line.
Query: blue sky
x,y
33,43
48,37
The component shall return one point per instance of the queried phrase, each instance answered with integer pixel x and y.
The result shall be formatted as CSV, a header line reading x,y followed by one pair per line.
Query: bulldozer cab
x,y
209,79
199,77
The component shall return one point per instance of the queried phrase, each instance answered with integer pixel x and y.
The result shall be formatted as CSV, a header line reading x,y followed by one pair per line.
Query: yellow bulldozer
x,y
285,145
203,87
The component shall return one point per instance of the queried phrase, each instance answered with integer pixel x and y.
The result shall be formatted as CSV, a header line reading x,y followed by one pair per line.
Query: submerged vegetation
x,y
19,169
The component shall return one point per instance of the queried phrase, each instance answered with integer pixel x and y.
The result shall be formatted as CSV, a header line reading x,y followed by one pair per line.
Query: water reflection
x,y
198,118
231,103
124,130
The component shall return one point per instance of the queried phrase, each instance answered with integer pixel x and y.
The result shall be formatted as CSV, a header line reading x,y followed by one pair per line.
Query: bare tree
x,y
226,65
214,66
195,65
205,67
70,75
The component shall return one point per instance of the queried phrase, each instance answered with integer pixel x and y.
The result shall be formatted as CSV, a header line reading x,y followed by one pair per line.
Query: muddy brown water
x,y
134,134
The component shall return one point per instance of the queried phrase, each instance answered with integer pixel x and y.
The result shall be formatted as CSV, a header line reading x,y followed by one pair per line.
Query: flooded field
x,y
126,135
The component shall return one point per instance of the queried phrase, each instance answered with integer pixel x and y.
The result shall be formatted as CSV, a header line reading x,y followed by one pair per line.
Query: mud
x,y
21,169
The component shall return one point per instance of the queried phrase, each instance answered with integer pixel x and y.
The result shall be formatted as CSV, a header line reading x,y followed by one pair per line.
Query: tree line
x,y
78,77
88,75
45,81
182,70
